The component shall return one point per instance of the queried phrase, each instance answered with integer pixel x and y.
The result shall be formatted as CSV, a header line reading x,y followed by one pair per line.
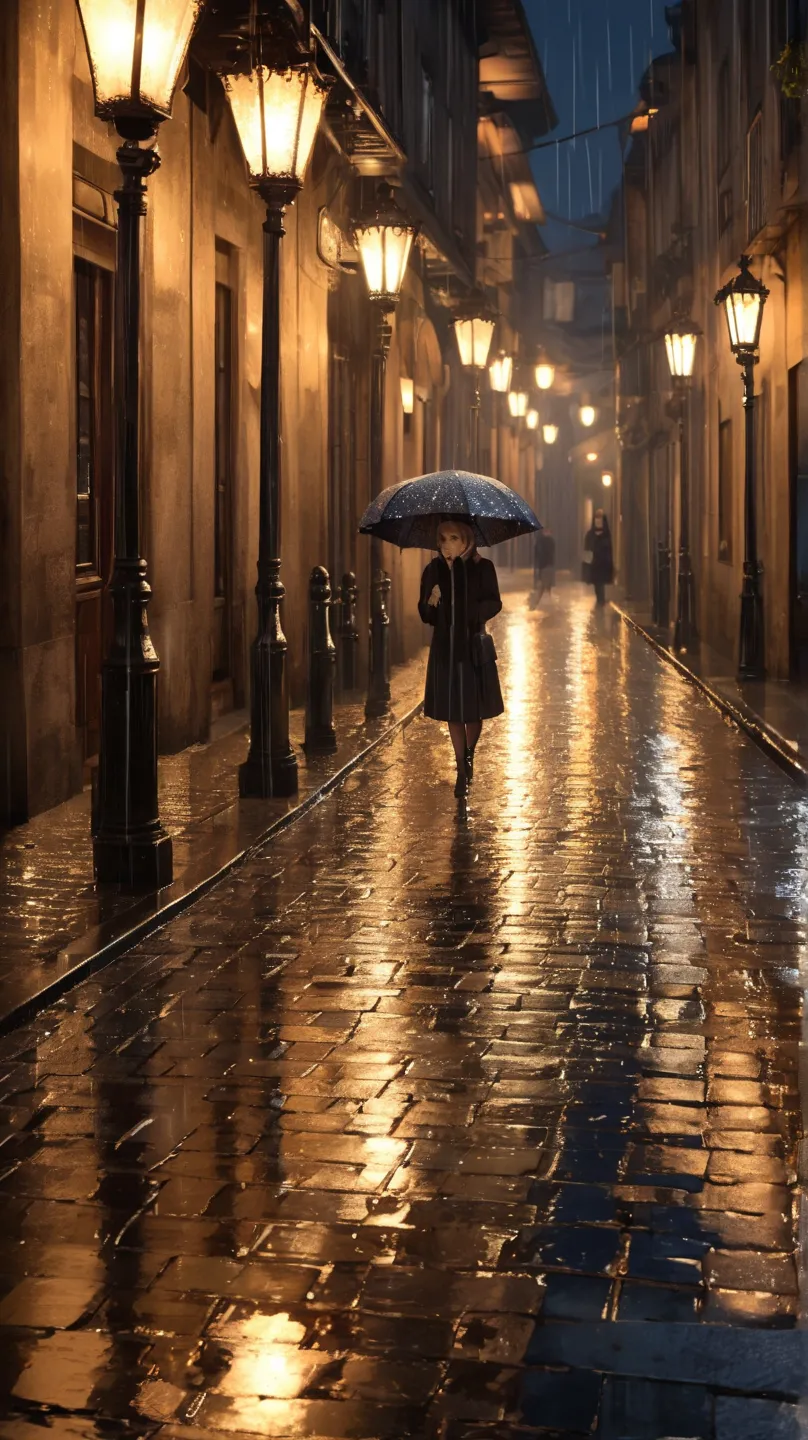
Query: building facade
x,y
716,168
413,87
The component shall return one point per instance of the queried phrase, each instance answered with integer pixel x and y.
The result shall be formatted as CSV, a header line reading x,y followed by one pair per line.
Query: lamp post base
x,y
142,864
685,630
378,696
751,651
265,778
271,766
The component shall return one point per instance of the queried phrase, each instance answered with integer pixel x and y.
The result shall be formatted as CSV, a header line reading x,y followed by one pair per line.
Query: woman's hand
x,y
434,598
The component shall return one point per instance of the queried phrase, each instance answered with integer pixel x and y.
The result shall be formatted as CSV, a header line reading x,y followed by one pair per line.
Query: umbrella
x,y
408,514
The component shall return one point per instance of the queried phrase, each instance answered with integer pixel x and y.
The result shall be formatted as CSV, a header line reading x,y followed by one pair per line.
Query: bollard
x,y
348,632
320,733
378,699
663,615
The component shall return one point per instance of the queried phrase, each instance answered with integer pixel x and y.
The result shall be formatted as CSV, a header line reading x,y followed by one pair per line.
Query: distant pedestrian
x,y
459,593
544,559
598,567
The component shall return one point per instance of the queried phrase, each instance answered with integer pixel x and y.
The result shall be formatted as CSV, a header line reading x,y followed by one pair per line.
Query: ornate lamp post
x,y
136,52
681,340
743,299
276,110
474,332
384,238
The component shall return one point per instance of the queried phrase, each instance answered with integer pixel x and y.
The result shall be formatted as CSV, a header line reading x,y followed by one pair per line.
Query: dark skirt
x,y
470,693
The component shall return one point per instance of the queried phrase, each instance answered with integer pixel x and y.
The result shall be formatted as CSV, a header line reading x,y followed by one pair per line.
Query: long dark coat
x,y
456,689
600,571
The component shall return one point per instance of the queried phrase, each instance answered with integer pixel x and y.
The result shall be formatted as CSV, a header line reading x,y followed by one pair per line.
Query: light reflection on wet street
x,y
440,1126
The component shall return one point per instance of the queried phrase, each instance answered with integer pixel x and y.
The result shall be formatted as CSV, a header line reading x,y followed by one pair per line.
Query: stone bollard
x,y
378,699
320,733
348,632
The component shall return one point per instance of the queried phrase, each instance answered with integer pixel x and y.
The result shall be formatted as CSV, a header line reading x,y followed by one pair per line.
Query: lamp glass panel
x,y
276,113
517,403
110,27
167,28
743,318
532,419
545,375
407,395
463,335
500,371
586,415
550,433
681,351
385,251
482,335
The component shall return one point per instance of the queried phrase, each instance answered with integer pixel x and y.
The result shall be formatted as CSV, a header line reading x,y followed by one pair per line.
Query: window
x,y
722,117
222,513
559,301
755,201
725,491
427,123
92,371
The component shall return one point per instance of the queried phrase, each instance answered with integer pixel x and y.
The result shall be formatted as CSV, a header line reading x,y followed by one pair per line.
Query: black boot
x,y
461,789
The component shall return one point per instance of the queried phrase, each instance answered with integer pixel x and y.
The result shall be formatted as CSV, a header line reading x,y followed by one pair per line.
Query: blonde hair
x,y
466,533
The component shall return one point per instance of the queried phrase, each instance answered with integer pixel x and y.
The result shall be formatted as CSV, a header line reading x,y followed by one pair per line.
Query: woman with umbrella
x,y
459,590
459,593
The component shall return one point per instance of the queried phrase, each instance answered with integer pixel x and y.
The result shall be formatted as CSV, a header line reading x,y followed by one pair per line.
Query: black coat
x,y
600,571
456,688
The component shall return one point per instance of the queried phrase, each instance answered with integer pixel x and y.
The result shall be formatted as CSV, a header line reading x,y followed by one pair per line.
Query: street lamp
x,y
276,110
545,375
549,434
532,419
384,237
607,479
407,394
474,331
517,404
681,340
135,52
587,416
743,299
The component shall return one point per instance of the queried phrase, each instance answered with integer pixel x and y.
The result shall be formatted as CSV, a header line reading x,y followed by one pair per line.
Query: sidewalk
x,y
774,713
56,927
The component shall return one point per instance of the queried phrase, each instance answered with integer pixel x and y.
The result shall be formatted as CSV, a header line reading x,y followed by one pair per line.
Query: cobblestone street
x,y
441,1125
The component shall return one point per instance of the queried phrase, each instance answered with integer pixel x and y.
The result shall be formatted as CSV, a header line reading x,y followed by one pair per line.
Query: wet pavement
x,y
56,926
433,1124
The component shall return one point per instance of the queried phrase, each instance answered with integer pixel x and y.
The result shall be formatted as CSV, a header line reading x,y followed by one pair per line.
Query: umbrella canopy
x,y
408,514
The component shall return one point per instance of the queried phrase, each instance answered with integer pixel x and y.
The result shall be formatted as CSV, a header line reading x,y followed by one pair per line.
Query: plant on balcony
x,y
790,69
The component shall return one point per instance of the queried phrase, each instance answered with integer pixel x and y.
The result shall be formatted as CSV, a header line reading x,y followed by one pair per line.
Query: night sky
x,y
594,54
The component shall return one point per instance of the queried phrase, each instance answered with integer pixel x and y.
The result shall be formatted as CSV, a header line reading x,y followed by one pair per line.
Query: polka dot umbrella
x,y
408,514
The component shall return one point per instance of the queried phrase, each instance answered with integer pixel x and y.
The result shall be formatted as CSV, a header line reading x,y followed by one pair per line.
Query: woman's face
x,y
598,519
450,542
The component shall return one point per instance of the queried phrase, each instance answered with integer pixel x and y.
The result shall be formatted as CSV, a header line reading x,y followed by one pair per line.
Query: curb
x,y
141,929
764,737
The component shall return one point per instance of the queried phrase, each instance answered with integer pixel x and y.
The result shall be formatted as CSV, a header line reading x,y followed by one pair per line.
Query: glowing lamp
x,y
549,434
532,419
607,479
743,298
517,403
474,335
276,114
500,371
136,50
587,416
681,339
385,240
545,375
592,456
407,395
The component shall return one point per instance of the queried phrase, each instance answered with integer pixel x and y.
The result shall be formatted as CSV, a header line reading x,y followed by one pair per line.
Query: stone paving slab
x,y
56,925
458,1123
